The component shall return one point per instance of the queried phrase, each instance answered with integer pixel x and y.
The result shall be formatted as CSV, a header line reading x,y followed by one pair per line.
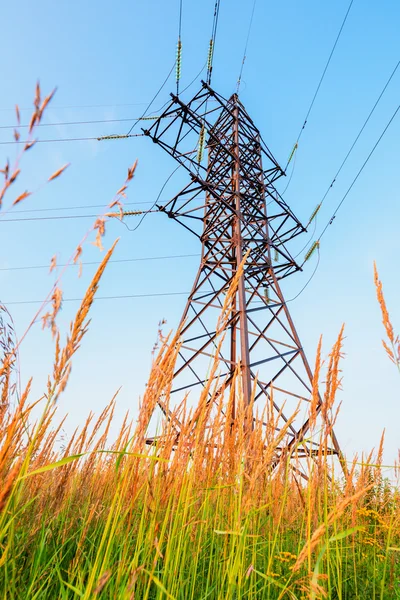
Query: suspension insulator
x,y
314,213
178,60
210,55
202,137
292,152
266,294
311,251
113,137
150,118
126,213
276,255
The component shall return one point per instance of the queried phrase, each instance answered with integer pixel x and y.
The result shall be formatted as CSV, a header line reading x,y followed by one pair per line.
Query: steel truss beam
x,y
233,208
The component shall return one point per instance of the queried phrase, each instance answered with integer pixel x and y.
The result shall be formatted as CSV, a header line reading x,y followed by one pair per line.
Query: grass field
x,y
207,519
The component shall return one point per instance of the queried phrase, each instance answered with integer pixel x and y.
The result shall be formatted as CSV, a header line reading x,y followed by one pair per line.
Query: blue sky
x,y
108,61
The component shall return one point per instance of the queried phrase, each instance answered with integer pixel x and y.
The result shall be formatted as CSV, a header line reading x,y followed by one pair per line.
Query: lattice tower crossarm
x,y
232,206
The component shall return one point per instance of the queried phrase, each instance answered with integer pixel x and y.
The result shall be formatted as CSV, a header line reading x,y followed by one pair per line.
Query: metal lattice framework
x,y
232,206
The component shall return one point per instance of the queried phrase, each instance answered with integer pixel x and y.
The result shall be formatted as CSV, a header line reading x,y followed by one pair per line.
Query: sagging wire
x,y
313,219
323,74
93,122
359,173
333,217
212,42
245,47
151,210
80,139
184,89
292,154
316,248
358,136
152,100
311,237
313,216
210,57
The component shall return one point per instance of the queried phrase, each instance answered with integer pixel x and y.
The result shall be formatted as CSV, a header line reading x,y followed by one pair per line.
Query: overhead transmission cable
x,y
151,210
320,82
97,121
210,57
121,297
118,215
64,217
79,139
309,279
79,106
57,208
317,208
182,91
95,262
100,121
316,243
314,214
212,41
152,100
245,47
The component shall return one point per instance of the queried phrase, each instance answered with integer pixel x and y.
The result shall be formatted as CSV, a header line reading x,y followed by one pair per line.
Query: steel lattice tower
x,y
232,206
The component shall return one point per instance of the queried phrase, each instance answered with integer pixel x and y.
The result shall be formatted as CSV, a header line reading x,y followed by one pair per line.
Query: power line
x,y
191,83
308,281
212,41
291,175
245,47
95,262
79,106
358,136
122,297
152,100
155,295
97,121
317,209
55,218
81,139
30,210
154,203
358,174
93,216
324,72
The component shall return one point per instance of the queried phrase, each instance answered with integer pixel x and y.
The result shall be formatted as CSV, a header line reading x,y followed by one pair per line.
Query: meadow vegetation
x,y
197,515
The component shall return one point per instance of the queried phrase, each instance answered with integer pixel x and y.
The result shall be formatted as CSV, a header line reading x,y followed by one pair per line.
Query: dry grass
x,y
199,514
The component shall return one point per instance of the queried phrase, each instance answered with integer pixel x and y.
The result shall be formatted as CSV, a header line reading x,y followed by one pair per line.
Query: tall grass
x,y
201,515
193,516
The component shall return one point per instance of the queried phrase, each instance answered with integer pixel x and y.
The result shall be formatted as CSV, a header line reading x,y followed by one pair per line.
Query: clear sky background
x,y
108,60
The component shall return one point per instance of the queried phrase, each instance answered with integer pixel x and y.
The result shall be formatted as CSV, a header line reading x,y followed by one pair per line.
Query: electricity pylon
x,y
232,206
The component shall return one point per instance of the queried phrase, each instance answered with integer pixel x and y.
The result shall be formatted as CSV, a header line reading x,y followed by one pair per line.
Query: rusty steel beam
x,y
234,209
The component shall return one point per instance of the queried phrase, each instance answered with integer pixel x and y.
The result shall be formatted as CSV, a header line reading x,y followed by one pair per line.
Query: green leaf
x,y
277,583
55,465
159,584
346,533
73,588
68,459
